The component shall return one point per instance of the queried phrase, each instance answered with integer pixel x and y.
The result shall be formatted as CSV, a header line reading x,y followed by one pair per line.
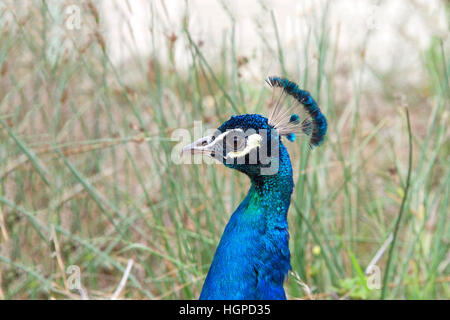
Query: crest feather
x,y
295,111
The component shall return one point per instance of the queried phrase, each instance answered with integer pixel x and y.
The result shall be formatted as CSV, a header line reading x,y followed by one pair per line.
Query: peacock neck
x,y
272,194
274,191
253,258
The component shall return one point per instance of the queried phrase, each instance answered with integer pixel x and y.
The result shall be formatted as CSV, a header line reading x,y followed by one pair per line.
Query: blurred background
x,y
91,93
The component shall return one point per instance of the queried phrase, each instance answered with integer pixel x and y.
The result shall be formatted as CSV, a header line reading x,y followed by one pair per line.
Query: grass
x,y
87,177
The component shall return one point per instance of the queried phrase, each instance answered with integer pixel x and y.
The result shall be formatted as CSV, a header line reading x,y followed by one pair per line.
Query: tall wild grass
x,y
87,177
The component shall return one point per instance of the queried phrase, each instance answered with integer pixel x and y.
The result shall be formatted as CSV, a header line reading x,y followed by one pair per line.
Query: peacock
x,y
252,259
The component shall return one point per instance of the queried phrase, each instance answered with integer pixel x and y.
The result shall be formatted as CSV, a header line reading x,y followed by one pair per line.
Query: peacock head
x,y
252,143
245,142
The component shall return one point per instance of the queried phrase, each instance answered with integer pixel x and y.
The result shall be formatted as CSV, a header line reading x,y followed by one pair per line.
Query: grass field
x,y
87,177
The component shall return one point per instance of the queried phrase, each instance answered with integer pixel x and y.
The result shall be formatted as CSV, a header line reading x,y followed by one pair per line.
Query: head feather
x,y
295,111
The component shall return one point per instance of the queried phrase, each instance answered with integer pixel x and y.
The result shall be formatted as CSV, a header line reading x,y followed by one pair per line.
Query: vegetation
x,y
87,176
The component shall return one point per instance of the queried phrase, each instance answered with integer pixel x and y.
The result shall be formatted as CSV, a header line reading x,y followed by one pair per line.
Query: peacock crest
x,y
295,112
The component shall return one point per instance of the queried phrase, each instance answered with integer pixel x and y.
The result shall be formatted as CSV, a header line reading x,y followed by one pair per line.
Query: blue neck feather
x,y
253,258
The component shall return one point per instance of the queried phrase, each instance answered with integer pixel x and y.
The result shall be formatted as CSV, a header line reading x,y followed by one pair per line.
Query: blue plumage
x,y
295,119
253,259
291,136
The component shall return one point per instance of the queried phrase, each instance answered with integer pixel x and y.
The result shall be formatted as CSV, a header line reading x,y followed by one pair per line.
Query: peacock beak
x,y
203,145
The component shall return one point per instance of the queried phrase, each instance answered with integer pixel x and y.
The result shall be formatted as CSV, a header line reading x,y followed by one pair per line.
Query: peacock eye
x,y
236,142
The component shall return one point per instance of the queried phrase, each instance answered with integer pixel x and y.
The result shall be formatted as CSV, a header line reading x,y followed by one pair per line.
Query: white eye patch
x,y
223,135
253,141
